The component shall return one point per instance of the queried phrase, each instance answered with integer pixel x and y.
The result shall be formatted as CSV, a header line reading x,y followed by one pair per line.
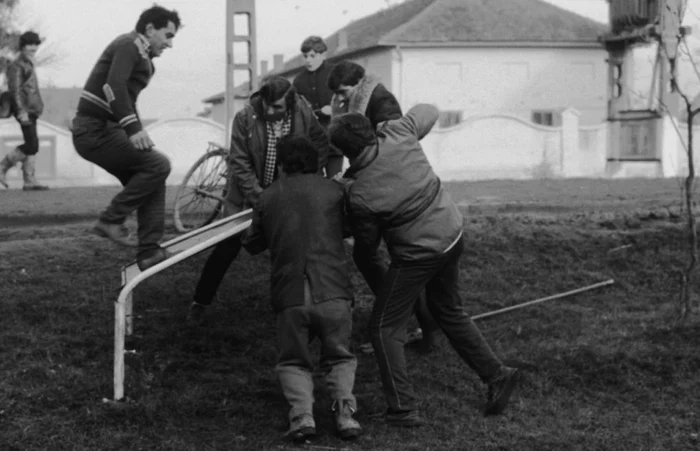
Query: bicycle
x,y
199,199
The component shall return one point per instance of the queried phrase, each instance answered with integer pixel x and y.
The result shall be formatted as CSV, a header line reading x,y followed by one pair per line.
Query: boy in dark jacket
x,y
312,85
273,112
301,219
27,106
358,92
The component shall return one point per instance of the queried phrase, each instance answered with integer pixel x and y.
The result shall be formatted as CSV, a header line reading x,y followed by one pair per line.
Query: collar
x,y
145,42
25,58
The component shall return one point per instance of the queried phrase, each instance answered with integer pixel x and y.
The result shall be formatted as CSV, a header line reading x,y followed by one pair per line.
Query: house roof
x,y
462,23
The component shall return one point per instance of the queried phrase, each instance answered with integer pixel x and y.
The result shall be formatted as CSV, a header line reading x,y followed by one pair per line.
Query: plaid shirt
x,y
274,132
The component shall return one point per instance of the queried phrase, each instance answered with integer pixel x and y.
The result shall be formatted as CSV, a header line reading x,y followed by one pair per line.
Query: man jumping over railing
x,y
107,131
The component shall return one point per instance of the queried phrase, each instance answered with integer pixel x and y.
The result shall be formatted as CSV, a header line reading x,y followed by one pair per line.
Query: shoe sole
x,y
302,434
498,407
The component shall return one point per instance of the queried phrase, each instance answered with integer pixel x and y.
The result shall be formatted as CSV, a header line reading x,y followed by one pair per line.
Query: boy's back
x,y
302,219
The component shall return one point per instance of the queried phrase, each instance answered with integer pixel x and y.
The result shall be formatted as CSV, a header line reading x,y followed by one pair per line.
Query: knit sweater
x,y
120,74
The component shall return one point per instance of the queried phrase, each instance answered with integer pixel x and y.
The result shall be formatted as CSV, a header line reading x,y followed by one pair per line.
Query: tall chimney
x,y
263,67
277,61
342,41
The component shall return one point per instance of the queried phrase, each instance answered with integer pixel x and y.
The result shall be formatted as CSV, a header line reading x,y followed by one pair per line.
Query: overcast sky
x,y
194,69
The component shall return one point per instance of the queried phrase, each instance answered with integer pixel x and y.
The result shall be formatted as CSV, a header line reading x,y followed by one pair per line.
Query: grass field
x,y
605,370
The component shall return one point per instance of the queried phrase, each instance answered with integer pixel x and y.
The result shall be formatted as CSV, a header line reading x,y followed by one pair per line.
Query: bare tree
x,y
670,42
49,53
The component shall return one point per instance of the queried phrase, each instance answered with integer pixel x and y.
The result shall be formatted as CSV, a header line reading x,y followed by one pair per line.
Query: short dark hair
x,y
351,133
159,17
29,38
345,73
315,43
274,87
297,154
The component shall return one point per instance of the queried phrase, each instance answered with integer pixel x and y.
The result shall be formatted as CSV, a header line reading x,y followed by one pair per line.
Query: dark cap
x,y
29,38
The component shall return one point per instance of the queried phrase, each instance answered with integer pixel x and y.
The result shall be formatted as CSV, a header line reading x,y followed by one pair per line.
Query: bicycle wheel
x,y
200,196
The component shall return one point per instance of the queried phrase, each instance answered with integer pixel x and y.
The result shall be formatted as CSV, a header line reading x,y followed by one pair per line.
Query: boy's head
x,y
297,155
278,98
344,78
159,25
313,49
29,43
351,133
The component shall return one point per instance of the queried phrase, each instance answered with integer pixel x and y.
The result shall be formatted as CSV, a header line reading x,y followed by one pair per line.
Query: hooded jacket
x,y
394,193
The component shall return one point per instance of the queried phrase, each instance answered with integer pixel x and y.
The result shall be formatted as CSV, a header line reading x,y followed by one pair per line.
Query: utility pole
x,y
241,53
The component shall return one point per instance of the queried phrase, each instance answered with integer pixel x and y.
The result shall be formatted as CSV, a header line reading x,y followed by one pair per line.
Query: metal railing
x,y
183,247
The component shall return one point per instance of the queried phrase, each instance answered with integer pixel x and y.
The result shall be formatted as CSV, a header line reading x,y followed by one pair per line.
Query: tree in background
x,y
9,34
9,40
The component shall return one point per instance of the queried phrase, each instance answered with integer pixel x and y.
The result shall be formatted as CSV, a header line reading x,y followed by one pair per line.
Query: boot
x,y
29,169
7,163
345,424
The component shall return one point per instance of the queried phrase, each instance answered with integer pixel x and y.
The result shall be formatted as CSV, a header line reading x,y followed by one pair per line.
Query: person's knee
x,y
160,166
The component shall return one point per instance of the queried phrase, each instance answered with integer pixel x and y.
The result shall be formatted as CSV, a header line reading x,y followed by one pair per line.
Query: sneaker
x,y
408,419
301,427
345,424
115,232
152,257
500,389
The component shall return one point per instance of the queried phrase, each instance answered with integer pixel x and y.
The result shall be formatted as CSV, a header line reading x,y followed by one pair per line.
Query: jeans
x,y
331,322
392,310
142,173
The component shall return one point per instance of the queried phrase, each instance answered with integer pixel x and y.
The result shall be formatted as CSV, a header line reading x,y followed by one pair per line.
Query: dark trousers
x,y
372,267
31,139
223,255
439,277
142,173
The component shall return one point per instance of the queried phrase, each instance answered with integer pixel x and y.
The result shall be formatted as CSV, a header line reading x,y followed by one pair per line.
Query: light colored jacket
x,y
394,193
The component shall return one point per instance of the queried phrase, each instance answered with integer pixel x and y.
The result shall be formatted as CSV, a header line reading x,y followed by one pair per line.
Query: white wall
x,y
501,146
505,80
184,141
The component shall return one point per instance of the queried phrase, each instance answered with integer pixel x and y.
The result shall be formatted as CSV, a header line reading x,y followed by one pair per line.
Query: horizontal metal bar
x,y
548,298
238,226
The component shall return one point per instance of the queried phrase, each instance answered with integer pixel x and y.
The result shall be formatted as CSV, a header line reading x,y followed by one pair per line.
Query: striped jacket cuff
x,y
131,124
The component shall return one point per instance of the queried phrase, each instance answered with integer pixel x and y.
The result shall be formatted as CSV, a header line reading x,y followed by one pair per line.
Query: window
x,y
449,118
543,118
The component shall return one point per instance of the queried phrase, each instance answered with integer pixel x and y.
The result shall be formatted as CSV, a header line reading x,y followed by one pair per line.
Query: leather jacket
x,y
23,86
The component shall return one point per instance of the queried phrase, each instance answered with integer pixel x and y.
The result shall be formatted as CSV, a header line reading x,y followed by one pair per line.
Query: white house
x,y
527,58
